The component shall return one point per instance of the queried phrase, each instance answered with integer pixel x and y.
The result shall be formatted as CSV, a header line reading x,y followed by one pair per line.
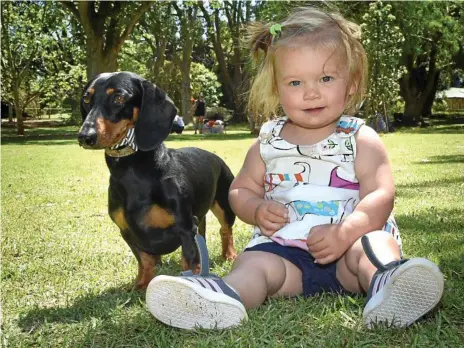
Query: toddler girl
x,y
317,185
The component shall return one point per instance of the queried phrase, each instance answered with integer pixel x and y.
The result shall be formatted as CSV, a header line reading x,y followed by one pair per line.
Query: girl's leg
x,y
257,275
201,124
355,270
195,123
208,301
399,292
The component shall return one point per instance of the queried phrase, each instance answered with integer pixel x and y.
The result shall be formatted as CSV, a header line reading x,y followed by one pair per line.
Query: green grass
x,y
66,272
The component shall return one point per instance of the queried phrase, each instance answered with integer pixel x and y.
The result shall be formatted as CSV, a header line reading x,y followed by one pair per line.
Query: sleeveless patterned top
x,y
317,183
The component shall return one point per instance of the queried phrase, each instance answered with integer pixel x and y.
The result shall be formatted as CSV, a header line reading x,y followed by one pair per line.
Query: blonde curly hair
x,y
328,30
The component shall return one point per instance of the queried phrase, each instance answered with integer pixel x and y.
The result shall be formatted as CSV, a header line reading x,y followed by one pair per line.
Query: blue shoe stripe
x,y
203,252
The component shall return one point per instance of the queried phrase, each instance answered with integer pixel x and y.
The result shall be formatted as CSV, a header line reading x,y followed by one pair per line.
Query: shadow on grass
x,y
84,307
446,125
438,230
100,306
71,138
51,139
443,159
426,184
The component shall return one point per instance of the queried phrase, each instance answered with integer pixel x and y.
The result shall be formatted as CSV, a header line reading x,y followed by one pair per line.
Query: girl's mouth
x,y
314,110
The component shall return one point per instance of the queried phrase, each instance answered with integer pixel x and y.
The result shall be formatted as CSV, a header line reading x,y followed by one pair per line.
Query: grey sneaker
x,y
195,301
401,292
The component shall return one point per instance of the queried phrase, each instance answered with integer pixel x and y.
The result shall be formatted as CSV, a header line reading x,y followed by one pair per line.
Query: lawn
x,y
67,273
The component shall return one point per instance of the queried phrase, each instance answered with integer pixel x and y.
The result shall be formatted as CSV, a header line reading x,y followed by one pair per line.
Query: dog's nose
x,y
88,138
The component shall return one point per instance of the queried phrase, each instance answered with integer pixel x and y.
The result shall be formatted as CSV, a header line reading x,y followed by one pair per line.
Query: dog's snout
x,y
87,137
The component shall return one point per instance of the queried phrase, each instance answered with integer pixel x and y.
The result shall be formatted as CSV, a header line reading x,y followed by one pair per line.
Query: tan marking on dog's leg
x,y
228,250
146,269
202,227
158,217
185,266
119,218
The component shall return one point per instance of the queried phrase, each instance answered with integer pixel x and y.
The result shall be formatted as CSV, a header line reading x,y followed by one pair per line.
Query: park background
x,y
66,272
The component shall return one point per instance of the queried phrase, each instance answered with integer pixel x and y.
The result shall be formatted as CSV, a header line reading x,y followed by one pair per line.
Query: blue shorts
x,y
316,278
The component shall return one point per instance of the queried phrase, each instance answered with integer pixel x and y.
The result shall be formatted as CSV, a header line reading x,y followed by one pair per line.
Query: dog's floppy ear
x,y
155,119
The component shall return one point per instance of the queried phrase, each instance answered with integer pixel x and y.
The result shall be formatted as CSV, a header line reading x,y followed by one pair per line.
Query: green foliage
x,y
169,78
382,40
48,45
274,11
22,42
135,56
205,81
430,27
41,55
424,22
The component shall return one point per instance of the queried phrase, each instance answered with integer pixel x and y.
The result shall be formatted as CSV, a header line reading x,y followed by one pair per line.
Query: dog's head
x,y
113,103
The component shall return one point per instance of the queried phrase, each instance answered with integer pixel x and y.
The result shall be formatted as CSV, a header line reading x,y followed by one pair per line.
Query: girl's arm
x,y
247,190
373,171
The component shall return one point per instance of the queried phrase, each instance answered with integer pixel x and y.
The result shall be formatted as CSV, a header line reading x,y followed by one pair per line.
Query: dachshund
x,y
158,197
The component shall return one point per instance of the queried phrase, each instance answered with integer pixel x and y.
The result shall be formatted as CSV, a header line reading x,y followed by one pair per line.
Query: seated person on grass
x,y
318,187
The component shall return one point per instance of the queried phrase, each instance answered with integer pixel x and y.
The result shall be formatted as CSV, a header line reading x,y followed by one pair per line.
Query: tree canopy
x,y
49,49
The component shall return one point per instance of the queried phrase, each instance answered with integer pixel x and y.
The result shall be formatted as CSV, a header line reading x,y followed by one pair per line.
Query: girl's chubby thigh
x,y
257,275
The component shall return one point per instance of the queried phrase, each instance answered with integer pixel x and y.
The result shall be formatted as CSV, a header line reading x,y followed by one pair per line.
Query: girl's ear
x,y
353,88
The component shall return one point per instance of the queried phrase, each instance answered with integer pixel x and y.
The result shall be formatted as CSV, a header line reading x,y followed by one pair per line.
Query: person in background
x,y
199,113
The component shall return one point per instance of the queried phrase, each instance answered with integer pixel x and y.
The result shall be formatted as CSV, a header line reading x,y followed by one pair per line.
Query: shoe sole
x,y
413,290
180,303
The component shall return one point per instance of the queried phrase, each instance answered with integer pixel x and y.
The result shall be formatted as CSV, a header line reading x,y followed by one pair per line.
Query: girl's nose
x,y
311,93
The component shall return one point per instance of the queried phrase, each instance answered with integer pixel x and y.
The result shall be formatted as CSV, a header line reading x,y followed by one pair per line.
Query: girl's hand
x,y
327,243
271,216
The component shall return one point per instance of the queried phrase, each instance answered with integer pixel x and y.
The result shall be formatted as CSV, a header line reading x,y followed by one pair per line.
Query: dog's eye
x,y
119,99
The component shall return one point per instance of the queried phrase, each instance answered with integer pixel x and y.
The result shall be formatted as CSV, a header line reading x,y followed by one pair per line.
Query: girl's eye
x,y
327,78
295,83
119,99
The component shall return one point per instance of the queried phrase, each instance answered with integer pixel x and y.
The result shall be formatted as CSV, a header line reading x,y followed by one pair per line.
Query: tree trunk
x,y
10,114
231,85
224,76
18,111
187,20
412,113
234,13
430,98
185,92
99,61
418,86
105,41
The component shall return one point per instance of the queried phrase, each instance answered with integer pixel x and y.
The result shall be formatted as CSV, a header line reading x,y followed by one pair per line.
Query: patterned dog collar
x,y
125,147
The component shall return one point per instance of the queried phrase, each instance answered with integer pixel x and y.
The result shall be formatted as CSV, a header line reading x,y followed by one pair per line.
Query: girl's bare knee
x,y
293,281
265,265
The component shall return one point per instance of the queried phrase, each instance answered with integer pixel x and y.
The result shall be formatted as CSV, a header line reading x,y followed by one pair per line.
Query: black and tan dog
x,y
156,194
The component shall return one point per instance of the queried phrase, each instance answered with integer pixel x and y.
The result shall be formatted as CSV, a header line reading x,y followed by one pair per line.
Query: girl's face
x,y
312,85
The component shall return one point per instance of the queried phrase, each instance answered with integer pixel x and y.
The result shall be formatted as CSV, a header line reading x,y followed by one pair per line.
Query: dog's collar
x,y
125,147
